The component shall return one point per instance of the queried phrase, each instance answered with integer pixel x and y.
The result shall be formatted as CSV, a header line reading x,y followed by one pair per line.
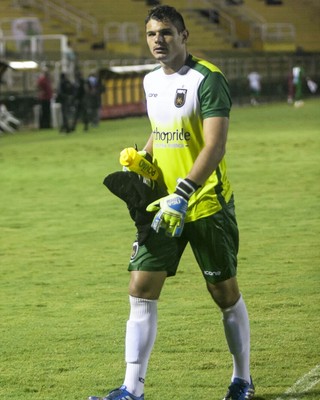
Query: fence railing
x,y
59,9
259,29
273,32
87,20
32,48
123,32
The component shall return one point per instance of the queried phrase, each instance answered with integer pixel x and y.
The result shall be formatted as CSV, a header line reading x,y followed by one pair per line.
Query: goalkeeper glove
x,y
172,209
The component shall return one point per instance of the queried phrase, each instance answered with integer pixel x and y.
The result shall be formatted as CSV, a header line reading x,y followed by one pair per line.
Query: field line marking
x,y
304,384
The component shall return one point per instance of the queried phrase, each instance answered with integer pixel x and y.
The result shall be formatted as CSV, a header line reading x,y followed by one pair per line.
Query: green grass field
x,y
65,244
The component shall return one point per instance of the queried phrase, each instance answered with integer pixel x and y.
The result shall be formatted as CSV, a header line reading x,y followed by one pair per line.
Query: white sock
x,y
237,331
140,337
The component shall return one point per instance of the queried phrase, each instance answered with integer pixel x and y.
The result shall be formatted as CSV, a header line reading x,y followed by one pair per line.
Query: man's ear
x,y
185,35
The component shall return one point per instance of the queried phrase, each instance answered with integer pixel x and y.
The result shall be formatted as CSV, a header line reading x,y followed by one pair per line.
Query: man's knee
x,y
146,285
225,294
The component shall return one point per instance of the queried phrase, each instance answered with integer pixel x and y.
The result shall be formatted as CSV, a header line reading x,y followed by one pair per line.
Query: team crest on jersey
x,y
180,99
134,252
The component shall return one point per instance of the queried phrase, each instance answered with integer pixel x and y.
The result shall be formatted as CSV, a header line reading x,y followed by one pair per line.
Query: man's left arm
x,y
215,130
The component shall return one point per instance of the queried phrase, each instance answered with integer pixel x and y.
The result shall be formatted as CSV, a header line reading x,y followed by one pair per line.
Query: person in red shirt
x,y
45,93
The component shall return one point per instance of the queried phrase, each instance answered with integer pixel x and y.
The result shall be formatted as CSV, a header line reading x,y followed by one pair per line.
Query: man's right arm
x,y
149,145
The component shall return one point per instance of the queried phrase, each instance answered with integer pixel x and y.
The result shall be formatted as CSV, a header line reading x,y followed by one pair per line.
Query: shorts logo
x,y
134,252
212,273
180,99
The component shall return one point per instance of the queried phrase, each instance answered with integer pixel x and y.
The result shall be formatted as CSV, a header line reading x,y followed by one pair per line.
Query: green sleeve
x,y
214,96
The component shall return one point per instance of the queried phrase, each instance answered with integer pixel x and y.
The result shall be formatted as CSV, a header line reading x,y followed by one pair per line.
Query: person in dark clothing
x,y
80,102
65,95
94,91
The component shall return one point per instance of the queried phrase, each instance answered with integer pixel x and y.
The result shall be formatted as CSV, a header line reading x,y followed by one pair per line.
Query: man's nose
x,y
159,38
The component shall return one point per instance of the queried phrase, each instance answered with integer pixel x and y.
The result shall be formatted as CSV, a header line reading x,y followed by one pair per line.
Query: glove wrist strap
x,y
185,188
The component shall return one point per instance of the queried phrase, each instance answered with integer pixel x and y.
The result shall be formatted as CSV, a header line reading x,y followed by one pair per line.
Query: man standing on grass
x,y
188,106
45,93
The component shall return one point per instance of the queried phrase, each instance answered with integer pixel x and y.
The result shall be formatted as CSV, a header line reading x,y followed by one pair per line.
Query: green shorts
x,y
214,241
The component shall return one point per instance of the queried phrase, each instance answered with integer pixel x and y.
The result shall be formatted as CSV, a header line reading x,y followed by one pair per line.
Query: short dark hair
x,y
167,13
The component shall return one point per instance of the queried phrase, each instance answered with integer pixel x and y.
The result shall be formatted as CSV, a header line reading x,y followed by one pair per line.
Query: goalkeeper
x,y
188,106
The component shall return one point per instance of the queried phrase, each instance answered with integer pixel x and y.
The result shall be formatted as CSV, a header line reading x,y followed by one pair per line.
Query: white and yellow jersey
x,y
177,104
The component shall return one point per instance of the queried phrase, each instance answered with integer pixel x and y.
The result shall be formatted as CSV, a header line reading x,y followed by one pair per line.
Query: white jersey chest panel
x,y
172,98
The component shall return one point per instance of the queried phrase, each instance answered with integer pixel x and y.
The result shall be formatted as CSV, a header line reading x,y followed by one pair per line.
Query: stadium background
x,y
65,240
238,36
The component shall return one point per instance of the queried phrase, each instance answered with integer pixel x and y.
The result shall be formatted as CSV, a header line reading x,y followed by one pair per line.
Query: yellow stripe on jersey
x,y
207,64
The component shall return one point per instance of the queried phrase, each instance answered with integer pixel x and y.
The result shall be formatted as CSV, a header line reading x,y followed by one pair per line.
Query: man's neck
x,y
175,66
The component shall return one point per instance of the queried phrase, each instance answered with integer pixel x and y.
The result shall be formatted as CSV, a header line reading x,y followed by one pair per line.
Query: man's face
x,y
165,43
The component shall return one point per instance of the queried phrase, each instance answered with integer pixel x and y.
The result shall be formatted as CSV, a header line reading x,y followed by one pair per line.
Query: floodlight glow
x,y
132,68
23,64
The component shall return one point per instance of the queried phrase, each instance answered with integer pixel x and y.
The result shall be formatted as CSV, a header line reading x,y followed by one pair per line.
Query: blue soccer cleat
x,y
240,390
118,394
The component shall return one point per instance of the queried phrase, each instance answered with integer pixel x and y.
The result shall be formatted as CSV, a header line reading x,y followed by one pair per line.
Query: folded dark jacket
x,y
137,192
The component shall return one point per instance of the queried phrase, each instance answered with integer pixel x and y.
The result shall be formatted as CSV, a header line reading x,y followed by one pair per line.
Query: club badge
x,y
180,98
135,248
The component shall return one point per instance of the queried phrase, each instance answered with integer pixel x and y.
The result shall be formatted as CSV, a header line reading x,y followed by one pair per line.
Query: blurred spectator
x,y
45,94
80,102
297,79
290,87
70,61
254,86
94,91
65,98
